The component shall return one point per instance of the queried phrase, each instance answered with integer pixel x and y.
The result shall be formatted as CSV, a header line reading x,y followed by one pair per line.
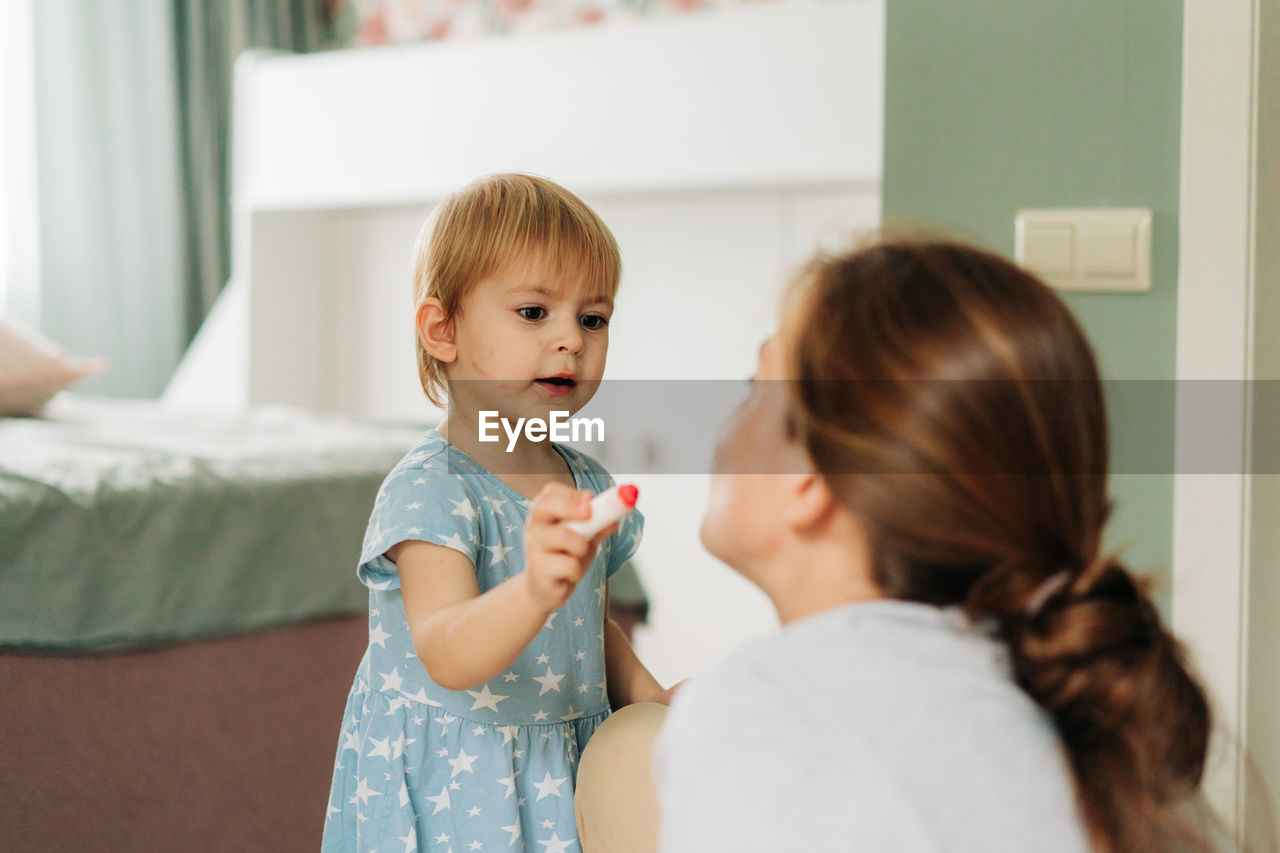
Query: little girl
x,y
491,659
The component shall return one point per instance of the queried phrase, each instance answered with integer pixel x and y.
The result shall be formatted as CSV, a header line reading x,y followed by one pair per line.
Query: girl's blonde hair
x,y
499,220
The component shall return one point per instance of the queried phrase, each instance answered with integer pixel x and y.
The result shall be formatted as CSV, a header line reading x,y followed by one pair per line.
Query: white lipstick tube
x,y
606,508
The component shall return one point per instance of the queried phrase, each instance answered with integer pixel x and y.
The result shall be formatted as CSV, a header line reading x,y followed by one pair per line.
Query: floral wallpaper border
x,y
369,23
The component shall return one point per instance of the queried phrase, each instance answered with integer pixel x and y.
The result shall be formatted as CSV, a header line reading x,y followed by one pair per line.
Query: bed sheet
x,y
124,524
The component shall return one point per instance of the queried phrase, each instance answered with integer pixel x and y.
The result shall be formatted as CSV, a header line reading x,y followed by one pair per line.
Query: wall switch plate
x,y
1091,249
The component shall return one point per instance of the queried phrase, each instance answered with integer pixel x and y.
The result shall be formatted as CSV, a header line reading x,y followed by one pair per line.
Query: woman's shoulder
x,y
877,654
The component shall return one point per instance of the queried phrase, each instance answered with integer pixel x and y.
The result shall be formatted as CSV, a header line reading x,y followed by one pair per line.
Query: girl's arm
x,y
465,638
628,679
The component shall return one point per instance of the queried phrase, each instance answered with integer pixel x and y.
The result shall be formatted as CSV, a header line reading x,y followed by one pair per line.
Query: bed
x,y
179,620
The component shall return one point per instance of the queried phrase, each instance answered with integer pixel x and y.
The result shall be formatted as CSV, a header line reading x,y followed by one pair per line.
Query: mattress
x,y
123,524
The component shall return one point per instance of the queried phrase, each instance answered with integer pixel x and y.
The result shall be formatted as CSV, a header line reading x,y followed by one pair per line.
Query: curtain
x,y
208,34
107,164
133,104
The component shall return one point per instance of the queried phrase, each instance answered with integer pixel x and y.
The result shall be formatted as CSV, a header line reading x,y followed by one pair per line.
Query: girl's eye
x,y
593,321
532,312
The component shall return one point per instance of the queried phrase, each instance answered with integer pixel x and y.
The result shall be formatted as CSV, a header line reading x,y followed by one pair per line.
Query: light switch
x,y
1098,249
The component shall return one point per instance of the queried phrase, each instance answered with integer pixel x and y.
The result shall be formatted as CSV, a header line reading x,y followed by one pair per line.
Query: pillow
x,y
33,369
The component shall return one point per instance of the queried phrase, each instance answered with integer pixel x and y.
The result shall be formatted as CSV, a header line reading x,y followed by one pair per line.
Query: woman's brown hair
x,y
954,405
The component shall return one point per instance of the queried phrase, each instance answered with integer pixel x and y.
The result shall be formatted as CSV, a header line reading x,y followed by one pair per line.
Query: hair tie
x,y
1048,588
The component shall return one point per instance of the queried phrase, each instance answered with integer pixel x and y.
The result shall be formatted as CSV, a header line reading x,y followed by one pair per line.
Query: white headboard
x,y
720,147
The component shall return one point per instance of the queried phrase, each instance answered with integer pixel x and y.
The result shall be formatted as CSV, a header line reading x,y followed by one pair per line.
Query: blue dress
x,y
420,767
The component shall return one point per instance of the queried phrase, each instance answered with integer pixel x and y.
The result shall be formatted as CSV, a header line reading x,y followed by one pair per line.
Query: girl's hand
x,y
556,557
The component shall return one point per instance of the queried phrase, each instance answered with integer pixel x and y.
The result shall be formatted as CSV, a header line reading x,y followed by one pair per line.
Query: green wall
x,y
996,105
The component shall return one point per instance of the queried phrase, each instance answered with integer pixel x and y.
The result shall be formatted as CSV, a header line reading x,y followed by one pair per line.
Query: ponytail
x,y
1089,648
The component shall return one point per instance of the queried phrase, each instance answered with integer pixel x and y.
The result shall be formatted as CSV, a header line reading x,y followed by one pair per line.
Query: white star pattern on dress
x,y
510,782
510,676
495,503
421,698
398,745
499,553
380,748
543,658
550,619
556,845
441,838
462,763
549,682
442,801
410,841
474,811
377,535
477,731
600,591
508,733
577,623
411,507
485,699
391,680
444,720
404,794
549,787
453,540
540,716
378,637
572,715
463,508
514,829
364,792
475,845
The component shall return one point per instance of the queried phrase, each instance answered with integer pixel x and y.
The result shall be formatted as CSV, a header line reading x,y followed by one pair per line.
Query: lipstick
x,y
606,508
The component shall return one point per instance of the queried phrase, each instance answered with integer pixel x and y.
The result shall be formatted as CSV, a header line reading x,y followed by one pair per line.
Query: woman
x,y
918,483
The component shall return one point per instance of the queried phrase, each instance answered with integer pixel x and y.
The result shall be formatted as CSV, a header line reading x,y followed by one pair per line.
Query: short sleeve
x,y
420,499
626,540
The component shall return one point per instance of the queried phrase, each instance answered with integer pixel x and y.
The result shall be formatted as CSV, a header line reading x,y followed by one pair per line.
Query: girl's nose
x,y
569,337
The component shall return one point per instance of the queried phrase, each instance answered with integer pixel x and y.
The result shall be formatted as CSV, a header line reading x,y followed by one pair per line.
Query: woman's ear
x,y
812,502
435,330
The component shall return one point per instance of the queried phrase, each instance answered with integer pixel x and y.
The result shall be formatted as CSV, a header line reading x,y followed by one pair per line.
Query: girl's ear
x,y
435,330
812,502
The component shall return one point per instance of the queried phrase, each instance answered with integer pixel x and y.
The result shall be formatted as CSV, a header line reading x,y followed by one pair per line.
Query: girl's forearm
x,y
629,682
468,643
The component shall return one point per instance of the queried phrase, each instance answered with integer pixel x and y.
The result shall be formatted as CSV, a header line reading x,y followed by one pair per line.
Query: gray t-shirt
x,y
877,726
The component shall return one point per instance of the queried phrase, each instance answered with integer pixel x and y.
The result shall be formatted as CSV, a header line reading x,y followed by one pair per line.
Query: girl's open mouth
x,y
558,385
